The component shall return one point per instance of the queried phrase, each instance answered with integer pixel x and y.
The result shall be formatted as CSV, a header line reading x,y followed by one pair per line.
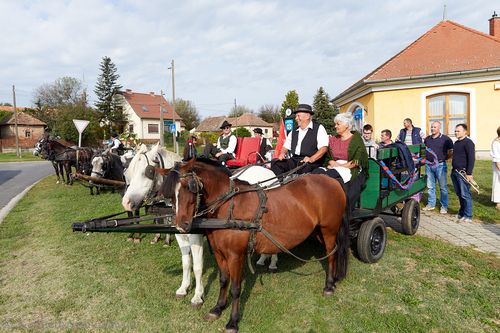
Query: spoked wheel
x,y
410,217
371,241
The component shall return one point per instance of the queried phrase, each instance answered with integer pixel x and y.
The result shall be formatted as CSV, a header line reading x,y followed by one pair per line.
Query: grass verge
x,y
11,157
52,279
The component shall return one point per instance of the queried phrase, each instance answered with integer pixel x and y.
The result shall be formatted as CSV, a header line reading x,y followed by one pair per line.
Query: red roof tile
x,y
148,105
212,124
446,48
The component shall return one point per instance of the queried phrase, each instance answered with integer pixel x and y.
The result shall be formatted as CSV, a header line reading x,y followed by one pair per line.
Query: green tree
x,y
242,132
106,87
238,110
66,129
291,102
324,111
188,113
270,113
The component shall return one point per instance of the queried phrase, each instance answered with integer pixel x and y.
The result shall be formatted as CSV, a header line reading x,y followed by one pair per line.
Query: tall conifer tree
x,y
106,87
324,111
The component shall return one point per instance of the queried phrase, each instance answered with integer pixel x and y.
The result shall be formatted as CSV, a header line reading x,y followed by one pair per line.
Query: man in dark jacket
x,y
463,163
226,144
307,144
265,145
410,134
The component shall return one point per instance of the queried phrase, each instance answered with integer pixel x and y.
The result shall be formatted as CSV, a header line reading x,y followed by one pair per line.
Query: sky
x,y
246,52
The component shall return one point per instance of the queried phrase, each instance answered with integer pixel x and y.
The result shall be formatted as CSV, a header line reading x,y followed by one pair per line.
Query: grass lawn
x,y
52,279
11,157
482,207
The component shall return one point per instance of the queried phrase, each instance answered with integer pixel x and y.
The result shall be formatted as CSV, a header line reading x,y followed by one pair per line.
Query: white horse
x,y
142,185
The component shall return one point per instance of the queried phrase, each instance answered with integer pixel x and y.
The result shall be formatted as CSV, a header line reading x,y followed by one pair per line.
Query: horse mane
x,y
132,167
216,164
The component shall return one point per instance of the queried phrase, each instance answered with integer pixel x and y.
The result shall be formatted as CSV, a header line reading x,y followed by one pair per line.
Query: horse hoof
x,y
137,240
328,292
211,316
130,239
273,270
196,306
179,296
230,330
166,245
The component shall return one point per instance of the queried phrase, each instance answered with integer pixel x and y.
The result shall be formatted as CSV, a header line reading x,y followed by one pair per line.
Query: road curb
x,y
13,202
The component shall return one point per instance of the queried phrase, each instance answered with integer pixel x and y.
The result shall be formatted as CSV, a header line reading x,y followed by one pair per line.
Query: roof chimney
x,y
128,91
495,25
152,93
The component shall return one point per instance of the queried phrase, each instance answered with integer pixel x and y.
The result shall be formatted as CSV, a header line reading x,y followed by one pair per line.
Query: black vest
x,y
263,147
309,145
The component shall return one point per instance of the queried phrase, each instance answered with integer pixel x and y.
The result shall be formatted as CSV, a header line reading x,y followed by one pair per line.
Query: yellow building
x,y
450,74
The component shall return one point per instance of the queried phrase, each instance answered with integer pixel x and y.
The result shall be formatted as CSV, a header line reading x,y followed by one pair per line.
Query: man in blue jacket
x,y
410,134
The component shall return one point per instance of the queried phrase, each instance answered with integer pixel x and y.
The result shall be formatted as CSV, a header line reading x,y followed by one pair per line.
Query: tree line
x,y
66,98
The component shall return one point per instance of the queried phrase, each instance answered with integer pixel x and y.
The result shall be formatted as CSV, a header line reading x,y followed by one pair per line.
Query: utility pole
x,y
18,151
235,104
173,109
162,125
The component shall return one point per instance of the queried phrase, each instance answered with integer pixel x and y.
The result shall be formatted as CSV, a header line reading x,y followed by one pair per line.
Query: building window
x,y
131,128
153,129
27,134
450,109
266,130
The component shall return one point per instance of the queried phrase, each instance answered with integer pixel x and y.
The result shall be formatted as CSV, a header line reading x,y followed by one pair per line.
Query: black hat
x,y
304,108
225,124
114,135
258,130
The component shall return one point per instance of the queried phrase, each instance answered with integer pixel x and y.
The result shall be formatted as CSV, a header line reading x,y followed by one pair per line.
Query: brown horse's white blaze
x,y
318,204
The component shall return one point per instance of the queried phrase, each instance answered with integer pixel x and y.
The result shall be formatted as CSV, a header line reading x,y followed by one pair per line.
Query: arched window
x,y
450,109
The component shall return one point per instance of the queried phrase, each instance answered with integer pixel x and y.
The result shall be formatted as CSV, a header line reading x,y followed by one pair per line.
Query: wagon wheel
x,y
371,240
410,217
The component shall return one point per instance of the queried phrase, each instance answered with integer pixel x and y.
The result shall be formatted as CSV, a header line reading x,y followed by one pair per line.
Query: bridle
x,y
194,186
150,173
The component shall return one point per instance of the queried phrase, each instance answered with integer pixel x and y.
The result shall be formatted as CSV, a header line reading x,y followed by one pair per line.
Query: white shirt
x,y
231,147
115,143
322,138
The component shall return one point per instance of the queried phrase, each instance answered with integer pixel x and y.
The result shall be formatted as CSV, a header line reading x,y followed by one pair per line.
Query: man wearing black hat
x,y
265,146
116,146
226,145
307,144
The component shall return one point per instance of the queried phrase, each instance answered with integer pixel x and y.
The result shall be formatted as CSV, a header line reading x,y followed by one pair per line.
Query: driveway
x,y
15,177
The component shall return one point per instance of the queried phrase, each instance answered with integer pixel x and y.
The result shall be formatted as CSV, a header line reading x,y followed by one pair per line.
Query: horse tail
x,y
343,245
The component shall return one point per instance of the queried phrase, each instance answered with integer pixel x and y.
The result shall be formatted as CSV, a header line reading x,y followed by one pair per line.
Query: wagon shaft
x,y
102,181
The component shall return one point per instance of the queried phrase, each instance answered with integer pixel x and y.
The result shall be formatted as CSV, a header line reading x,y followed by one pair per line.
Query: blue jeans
x,y
462,188
439,173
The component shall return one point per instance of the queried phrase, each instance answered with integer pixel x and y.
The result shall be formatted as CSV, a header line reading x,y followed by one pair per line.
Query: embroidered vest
x,y
224,141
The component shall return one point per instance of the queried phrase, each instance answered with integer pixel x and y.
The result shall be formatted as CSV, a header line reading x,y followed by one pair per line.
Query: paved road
x,y
17,176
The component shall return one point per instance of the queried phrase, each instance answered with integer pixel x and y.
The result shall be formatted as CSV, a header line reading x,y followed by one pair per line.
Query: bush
x,y
242,132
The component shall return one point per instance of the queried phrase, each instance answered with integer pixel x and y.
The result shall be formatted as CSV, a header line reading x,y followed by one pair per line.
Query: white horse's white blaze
x,y
139,186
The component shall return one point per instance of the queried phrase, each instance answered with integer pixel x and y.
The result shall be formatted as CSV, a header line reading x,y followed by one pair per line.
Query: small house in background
x,y
143,114
246,120
451,74
29,129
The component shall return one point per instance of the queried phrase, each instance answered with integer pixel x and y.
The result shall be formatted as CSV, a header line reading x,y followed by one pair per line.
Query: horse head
x,y
190,185
142,177
99,166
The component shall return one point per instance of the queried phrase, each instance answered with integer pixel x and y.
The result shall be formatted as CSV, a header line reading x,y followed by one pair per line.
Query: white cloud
x,y
254,51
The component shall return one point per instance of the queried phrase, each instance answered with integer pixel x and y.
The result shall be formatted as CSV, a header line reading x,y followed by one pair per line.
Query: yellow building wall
x,y
387,109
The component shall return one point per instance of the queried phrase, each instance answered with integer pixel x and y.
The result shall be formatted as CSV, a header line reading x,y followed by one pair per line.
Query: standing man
x,y
409,134
307,144
265,146
226,145
443,147
463,162
371,146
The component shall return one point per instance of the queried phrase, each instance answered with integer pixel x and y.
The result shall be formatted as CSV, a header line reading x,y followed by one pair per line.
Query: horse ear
x,y
190,164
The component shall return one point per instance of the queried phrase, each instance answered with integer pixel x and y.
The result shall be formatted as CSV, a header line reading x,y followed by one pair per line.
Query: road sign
x,y
172,128
80,124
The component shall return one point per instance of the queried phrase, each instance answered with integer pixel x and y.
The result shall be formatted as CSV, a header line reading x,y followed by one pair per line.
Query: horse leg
x,y
330,281
262,259
273,268
168,240
235,272
56,168
183,242
196,242
221,304
157,237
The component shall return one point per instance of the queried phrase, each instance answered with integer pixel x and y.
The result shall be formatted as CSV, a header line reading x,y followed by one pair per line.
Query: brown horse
x,y
309,204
